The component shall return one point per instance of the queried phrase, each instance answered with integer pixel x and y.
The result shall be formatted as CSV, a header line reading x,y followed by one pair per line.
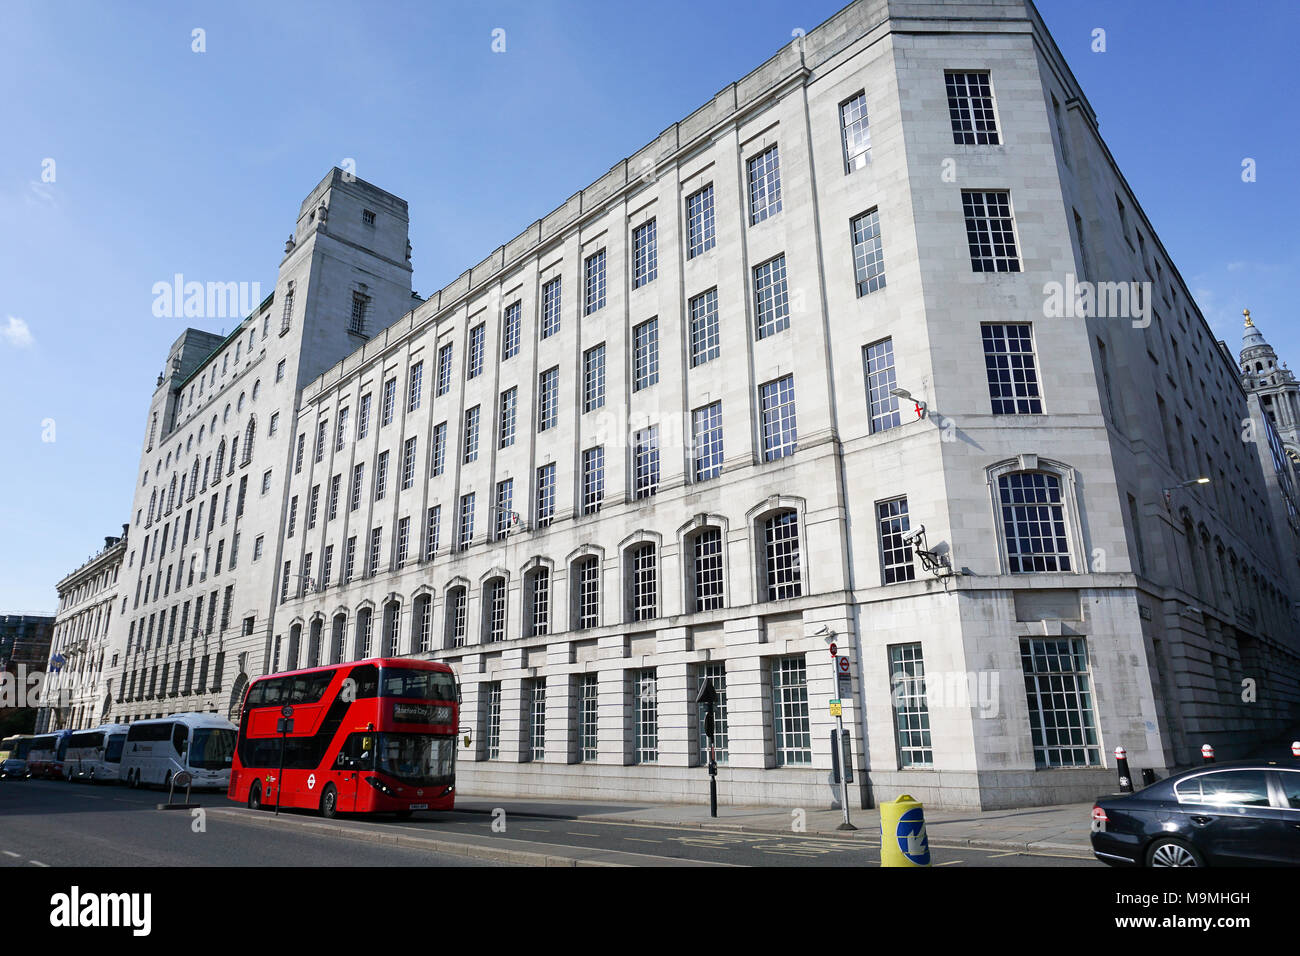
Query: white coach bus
x,y
202,744
95,755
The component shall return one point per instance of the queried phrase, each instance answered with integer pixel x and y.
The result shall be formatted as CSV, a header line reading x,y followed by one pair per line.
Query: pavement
x,y
1061,830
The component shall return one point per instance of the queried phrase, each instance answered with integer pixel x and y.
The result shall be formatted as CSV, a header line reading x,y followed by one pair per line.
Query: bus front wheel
x,y
329,803
255,796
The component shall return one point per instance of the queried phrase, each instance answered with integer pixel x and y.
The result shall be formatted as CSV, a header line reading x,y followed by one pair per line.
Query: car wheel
x,y
329,802
255,796
1170,852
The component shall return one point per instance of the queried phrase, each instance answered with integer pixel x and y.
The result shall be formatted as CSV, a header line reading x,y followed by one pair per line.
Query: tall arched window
x,y
537,602
365,618
705,585
337,637
455,625
221,456
494,609
249,432
641,577
392,624
422,625
171,495
295,638
782,566
153,505
194,478
584,584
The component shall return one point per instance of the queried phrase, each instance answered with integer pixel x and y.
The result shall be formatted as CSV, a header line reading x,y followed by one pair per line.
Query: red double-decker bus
x,y
371,736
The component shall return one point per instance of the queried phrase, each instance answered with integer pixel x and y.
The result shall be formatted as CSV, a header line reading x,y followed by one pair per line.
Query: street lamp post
x,y
1169,492
708,697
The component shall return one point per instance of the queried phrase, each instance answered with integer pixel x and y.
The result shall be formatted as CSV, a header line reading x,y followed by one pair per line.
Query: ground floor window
x,y
793,732
911,708
716,672
1059,693
492,720
587,717
645,690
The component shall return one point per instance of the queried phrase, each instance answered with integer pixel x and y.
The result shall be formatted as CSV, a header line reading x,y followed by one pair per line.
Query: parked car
x,y
1244,813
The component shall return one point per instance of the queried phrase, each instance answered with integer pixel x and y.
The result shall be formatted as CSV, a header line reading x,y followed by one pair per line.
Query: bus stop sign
x,y
844,676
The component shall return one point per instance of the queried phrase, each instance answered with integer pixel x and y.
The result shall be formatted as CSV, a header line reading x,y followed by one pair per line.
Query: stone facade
x,y
745,565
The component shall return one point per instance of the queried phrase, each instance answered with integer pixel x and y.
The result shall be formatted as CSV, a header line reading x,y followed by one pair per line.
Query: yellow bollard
x,y
903,841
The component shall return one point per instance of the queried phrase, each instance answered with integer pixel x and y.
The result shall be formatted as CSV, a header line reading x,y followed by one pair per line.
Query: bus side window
x,y
179,738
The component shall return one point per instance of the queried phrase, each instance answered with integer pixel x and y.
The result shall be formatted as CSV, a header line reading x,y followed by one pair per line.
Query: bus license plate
x,y
419,806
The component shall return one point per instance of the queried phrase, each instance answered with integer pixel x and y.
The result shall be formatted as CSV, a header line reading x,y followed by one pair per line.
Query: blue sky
x,y
168,161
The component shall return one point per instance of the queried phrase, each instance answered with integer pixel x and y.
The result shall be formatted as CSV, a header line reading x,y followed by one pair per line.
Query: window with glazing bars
x,y
593,479
372,564
493,720
414,386
792,729
970,107
764,185
645,254
327,567
594,282
474,361
548,400
706,342
645,689
771,298
321,428
510,332
911,708
545,496
444,369
363,417
297,460
1033,522
341,432
357,321
537,718
700,236
332,509
494,610
403,542
408,463
990,231
350,559
855,132
456,600
471,434
782,569
895,554
706,436
293,516
776,404
389,405
365,628
706,569
878,367
432,529
1012,372
466,531
424,624
715,671
643,583
645,462
587,593
588,718
381,475
313,500
868,254
1062,724
645,354
551,308
358,479
506,418
593,378
439,449
538,595
503,520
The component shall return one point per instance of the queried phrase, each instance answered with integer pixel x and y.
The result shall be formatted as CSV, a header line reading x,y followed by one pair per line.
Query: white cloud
x,y
17,334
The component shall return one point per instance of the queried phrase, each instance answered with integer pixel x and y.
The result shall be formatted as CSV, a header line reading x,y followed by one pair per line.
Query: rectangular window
x,y
439,449
645,462
868,255
990,231
471,435
645,684
477,340
587,593
781,553
537,718
764,185
594,284
700,234
545,495
551,308
313,501
284,582
593,479
970,107
293,516
878,367
321,429
504,519
911,709
358,479
706,341
645,354
432,531
645,254
279,370
1059,692
895,554
327,567
548,399
493,721
363,418
588,718
1033,522
643,597
707,440
414,386
715,672
706,548
593,378
793,733
856,134
390,402
403,542
1012,374
444,369
776,403
510,334
350,559
357,321
381,475
341,433
376,539
506,419
771,298
297,460
466,530
408,463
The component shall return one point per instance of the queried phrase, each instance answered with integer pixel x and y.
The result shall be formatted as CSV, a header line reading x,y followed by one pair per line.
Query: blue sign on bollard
x,y
912,840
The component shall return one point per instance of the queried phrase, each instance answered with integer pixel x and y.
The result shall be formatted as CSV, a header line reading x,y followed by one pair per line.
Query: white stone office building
x,y
654,439
80,648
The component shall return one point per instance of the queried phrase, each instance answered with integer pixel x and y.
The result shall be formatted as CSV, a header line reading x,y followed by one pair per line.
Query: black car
x,y
1245,813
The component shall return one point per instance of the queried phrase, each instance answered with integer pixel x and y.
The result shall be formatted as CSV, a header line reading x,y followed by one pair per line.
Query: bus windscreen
x,y
212,749
415,684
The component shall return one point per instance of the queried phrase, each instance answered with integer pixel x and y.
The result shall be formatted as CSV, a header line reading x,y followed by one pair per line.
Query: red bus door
x,y
357,754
